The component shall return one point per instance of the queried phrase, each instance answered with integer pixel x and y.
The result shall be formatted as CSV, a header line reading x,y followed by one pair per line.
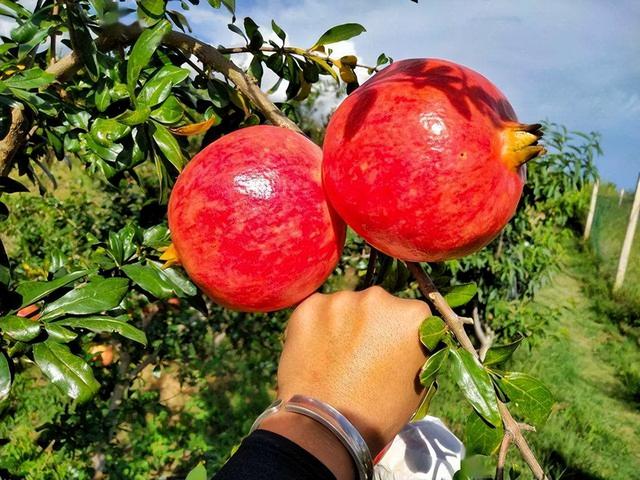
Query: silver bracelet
x,y
331,419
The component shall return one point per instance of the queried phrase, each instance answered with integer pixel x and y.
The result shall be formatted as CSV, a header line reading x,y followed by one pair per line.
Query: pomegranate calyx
x,y
170,257
520,144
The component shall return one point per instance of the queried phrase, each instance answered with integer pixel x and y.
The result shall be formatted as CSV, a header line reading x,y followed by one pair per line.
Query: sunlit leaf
x,y
432,330
339,33
104,324
65,370
461,294
143,50
529,397
19,328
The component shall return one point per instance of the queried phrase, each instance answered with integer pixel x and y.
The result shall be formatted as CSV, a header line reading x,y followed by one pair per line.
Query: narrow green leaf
x,y
18,328
82,41
502,353
96,296
325,66
432,367
480,437
31,292
198,473
178,281
69,373
423,408
431,332
158,88
102,96
530,397
58,333
102,324
339,33
29,79
278,31
475,384
168,145
149,279
461,294
231,5
5,377
143,50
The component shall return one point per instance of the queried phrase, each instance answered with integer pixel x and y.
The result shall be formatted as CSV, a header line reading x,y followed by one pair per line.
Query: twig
x,y
484,334
52,45
290,50
453,321
502,456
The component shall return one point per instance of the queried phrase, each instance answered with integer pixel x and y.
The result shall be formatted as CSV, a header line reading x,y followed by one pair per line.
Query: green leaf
x,y
278,31
156,236
107,153
432,367
480,437
149,279
69,373
96,296
102,96
102,324
170,112
339,33
476,467
231,5
16,7
58,333
107,131
475,384
82,41
530,397
461,294
423,408
9,185
32,78
325,66
431,332
158,88
168,145
18,328
502,353
135,117
151,11
178,282
31,292
198,473
143,50
23,33
5,377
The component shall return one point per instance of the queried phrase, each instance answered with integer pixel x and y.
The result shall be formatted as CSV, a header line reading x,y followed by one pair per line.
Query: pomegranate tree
x,y
426,160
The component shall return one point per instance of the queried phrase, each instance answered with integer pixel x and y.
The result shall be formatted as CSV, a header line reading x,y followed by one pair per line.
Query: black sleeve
x,y
265,455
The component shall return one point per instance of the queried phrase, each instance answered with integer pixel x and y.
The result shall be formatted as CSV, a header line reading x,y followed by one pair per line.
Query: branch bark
x,y
456,325
120,35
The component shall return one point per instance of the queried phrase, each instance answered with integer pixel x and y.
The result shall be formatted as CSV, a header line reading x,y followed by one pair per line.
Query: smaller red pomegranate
x,y
426,160
250,223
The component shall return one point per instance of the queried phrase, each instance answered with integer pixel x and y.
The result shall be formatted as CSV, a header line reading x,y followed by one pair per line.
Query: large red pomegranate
x,y
426,160
250,223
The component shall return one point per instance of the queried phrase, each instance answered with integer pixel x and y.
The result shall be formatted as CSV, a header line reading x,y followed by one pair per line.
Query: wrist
x,y
315,439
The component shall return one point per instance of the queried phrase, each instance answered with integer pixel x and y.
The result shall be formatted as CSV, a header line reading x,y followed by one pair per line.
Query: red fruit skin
x,y
412,161
250,221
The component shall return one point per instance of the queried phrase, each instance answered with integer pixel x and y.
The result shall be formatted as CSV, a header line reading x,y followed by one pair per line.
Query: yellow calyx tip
x,y
170,257
520,144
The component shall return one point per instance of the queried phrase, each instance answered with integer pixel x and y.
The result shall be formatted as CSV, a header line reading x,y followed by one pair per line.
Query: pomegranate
x,y
426,160
250,223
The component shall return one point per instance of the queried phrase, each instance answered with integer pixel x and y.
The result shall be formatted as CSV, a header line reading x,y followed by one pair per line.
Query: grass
x,y
590,366
607,235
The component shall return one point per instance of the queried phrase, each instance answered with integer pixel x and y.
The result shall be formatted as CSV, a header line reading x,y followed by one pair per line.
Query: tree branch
x,y
455,324
502,455
119,35
484,334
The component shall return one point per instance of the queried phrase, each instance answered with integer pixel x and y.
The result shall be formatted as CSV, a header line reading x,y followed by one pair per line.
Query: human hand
x,y
359,352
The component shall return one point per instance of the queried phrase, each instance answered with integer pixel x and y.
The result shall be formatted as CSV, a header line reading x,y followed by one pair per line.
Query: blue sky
x,y
575,62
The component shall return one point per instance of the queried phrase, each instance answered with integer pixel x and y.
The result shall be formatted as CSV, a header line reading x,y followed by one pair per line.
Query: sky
x,y
574,62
